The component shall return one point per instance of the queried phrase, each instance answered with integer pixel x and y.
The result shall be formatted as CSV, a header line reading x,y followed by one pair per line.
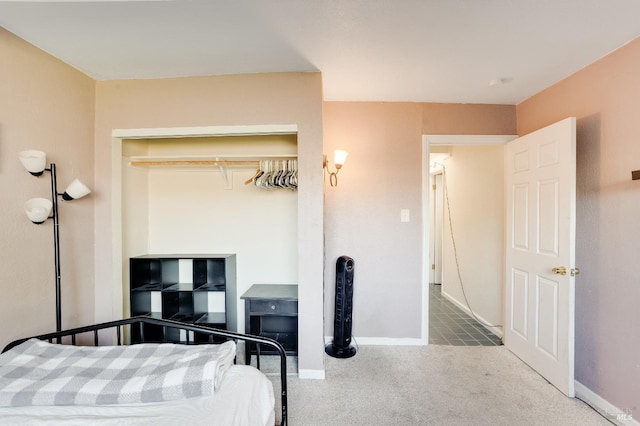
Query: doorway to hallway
x,y
466,239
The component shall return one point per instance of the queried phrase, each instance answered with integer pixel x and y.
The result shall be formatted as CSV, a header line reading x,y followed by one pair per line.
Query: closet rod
x,y
195,163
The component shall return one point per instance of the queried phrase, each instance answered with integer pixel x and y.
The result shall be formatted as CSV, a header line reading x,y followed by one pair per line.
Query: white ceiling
x,y
367,50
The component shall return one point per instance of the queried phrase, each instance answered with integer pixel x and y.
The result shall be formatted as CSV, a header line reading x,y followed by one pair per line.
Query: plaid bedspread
x,y
40,373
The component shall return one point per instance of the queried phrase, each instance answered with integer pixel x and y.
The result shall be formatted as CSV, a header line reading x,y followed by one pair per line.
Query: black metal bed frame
x,y
168,324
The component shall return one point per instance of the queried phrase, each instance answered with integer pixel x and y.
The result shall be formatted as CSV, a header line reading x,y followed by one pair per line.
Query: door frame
x,y
436,227
440,140
310,282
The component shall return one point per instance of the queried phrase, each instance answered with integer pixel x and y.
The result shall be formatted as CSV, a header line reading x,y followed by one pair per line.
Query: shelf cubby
x,y
194,289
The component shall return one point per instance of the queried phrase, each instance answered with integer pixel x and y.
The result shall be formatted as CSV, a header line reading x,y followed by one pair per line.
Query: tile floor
x,y
449,325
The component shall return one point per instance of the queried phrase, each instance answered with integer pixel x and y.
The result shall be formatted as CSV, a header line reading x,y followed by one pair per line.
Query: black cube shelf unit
x,y
190,288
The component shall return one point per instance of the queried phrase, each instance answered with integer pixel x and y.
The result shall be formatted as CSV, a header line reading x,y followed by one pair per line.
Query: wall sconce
x,y
339,158
38,210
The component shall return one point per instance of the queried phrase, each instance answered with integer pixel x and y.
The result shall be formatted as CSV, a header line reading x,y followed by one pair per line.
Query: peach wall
x,y
383,175
45,105
256,99
468,119
604,97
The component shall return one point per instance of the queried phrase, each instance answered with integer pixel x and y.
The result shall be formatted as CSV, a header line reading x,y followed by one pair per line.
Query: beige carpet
x,y
432,385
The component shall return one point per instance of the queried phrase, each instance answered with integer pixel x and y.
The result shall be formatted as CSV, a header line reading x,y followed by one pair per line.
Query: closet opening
x,y
201,195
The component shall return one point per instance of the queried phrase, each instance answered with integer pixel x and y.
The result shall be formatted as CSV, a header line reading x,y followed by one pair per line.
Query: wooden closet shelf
x,y
255,163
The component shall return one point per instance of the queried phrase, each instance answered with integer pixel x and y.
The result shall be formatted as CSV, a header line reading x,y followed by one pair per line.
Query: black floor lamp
x,y
40,209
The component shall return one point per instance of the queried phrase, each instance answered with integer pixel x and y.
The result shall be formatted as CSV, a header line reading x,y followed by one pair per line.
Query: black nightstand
x,y
271,310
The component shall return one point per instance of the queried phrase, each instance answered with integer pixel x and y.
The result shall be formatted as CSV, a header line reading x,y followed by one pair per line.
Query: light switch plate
x,y
405,215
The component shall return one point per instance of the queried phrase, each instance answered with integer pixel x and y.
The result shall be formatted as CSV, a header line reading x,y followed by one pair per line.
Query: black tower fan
x,y
341,347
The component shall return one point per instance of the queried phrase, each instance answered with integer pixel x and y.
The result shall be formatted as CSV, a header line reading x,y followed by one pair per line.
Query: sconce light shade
x,y
75,190
339,157
38,209
34,161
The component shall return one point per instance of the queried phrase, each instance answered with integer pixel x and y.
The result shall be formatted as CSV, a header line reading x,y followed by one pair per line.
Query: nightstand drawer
x,y
273,307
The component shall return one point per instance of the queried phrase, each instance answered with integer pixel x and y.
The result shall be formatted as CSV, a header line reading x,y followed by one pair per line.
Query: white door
x,y
540,251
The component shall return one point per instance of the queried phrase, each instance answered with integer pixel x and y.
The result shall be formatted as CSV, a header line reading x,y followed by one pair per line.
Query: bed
x,y
78,381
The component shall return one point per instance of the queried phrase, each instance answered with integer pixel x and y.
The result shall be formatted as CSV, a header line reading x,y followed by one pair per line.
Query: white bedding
x,y
245,398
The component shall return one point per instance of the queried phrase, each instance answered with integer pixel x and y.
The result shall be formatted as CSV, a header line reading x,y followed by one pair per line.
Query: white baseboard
x,y
383,341
311,374
619,416
495,330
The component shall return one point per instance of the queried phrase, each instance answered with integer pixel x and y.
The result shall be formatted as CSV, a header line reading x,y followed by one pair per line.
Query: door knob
x,y
574,272
559,270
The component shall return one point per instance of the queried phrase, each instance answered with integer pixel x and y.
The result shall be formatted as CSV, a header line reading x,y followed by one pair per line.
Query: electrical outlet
x,y
405,215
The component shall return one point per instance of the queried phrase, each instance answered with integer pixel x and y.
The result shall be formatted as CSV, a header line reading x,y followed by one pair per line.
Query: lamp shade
x,y
339,157
75,190
38,209
34,161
